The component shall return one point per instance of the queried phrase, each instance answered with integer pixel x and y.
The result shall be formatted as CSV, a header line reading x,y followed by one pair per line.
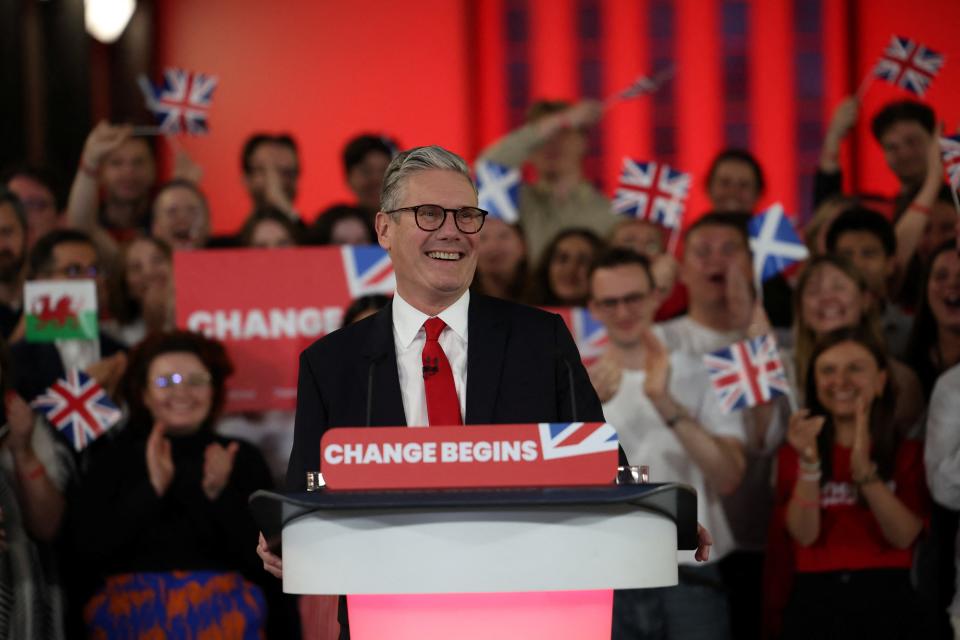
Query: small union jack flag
x,y
182,103
950,149
652,191
908,64
774,242
78,407
567,439
498,190
368,270
589,335
747,373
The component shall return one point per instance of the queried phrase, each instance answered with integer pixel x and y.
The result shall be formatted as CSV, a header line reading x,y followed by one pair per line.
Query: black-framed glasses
x,y
431,217
631,301
196,379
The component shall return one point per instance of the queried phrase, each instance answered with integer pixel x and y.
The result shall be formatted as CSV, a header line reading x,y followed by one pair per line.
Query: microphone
x,y
431,366
573,394
370,371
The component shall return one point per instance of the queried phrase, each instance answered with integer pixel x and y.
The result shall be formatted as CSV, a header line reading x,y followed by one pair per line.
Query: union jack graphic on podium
x,y
908,64
368,270
747,373
566,439
774,242
950,149
182,103
498,190
589,334
78,407
652,191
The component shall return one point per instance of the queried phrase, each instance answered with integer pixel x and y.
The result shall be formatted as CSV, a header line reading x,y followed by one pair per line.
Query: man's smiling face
x,y
433,268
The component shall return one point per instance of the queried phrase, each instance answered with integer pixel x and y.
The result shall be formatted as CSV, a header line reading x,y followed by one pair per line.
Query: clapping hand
x,y
861,466
159,459
605,375
802,434
217,467
656,364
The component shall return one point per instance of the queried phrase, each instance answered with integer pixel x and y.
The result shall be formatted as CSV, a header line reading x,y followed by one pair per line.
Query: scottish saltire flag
x,y
566,439
368,270
908,64
652,191
498,190
774,242
181,104
747,373
950,149
60,310
589,335
78,407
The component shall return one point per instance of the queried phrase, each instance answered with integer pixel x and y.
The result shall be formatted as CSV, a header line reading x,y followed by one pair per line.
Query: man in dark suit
x,y
502,362
514,364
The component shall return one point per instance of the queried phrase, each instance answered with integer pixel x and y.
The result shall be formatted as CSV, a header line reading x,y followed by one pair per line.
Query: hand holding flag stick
x,y
641,86
950,156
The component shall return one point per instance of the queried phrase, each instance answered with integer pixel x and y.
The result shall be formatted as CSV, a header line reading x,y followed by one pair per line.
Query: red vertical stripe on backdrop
x,y
490,73
772,96
626,126
839,73
553,62
699,95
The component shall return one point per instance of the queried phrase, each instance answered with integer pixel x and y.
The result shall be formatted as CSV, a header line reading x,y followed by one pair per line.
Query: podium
x,y
486,563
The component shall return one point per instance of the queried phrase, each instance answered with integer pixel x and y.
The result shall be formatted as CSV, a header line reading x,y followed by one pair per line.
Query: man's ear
x,y
384,223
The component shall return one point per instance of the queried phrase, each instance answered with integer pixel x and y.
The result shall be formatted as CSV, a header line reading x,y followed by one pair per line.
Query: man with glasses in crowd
x,y
667,417
65,254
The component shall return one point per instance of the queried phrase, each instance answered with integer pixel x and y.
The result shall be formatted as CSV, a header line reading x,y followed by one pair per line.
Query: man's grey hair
x,y
407,163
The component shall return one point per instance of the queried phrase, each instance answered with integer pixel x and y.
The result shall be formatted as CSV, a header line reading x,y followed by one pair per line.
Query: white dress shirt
x,y
409,338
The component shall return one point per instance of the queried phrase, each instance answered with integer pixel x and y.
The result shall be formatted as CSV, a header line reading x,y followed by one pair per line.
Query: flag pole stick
x,y
956,200
147,130
864,86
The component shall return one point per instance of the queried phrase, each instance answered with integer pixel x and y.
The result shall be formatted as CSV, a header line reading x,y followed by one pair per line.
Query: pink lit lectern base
x,y
558,615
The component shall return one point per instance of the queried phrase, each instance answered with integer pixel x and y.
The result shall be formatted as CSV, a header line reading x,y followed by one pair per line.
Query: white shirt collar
x,y
407,320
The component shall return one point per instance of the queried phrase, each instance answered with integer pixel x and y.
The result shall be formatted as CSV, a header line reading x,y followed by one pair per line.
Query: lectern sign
x,y
517,455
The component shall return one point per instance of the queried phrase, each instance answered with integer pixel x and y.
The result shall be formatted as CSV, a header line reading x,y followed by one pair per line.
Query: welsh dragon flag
x,y
60,310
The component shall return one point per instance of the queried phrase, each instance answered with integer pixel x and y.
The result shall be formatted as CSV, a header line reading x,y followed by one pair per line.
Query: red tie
x,y
443,407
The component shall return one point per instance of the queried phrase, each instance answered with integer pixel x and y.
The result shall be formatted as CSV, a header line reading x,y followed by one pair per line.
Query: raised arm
x,y
514,148
721,458
914,220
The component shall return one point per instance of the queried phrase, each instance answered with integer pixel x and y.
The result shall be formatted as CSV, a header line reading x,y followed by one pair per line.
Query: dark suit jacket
x,y
520,363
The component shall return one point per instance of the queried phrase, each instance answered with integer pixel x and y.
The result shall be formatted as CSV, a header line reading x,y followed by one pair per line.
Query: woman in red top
x,y
856,499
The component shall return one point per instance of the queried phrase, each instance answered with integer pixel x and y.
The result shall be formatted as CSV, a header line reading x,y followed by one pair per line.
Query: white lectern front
x,y
506,563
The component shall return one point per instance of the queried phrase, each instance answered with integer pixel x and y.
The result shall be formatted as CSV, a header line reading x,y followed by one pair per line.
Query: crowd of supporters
x,y
833,510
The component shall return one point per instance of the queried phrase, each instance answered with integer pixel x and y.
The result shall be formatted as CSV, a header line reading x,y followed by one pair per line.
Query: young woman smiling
x,y
855,498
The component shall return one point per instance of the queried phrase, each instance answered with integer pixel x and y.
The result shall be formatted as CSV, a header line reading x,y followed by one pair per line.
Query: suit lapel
x,y
486,348
381,358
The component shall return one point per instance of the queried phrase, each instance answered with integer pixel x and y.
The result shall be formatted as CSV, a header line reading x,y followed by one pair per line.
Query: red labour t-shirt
x,y
850,537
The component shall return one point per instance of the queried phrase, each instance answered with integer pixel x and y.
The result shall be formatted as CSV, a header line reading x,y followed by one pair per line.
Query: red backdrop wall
x,y
764,74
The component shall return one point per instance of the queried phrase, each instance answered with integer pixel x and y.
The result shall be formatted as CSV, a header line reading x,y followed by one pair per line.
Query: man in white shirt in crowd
x,y
716,268
668,417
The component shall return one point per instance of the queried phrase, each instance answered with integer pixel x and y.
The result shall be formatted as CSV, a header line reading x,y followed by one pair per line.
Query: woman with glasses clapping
x,y
165,528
